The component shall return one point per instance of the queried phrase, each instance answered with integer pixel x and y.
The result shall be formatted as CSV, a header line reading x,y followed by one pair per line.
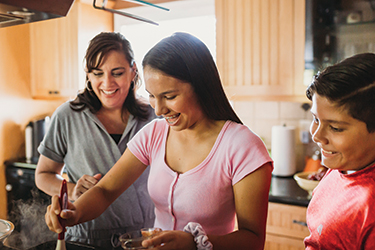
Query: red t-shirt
x,y
341,213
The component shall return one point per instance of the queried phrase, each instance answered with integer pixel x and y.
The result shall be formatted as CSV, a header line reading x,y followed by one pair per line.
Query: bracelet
x,y
199,235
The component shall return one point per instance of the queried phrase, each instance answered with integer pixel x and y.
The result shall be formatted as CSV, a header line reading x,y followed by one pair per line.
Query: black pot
x,y
51,245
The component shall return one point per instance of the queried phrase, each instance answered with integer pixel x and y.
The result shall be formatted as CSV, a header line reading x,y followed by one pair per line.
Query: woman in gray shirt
x,y
88,135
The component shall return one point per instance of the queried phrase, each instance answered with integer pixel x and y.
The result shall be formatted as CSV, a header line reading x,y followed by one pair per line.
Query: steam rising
x,y
29,216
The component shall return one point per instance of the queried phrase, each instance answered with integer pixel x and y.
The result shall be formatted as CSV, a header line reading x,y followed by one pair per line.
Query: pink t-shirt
x,y
341,213
203,194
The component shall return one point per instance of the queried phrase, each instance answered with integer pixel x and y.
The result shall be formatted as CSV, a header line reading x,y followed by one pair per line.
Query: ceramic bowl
x,y
303,181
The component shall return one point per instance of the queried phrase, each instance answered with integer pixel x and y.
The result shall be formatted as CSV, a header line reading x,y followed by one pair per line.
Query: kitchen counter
x,y
285,190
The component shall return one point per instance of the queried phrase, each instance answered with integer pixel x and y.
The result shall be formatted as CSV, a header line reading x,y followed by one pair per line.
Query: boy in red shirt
x,y
341,213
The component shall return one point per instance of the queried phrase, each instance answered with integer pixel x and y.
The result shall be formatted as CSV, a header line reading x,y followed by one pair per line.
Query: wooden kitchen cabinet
x,y
57,48
260,49
285,229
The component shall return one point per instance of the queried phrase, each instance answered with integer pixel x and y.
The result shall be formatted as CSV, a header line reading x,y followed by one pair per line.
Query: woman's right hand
x,y
83,184
54,210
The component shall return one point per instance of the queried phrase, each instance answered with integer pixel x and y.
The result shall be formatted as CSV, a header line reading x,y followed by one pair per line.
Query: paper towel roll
x,y
29,142
283,150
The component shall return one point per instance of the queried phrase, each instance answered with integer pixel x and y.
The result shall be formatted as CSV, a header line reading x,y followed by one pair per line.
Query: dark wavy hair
x,y
98,48
349,84
186,58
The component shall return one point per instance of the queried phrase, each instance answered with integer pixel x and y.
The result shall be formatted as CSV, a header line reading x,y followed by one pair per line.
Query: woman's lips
x,y
172,119
109,92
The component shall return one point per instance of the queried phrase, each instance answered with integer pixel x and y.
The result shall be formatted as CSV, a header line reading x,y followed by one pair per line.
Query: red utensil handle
x,y
63,200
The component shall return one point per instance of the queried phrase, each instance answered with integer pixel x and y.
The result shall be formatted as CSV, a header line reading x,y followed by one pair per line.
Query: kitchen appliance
x,y
24,198
335,30
34,133
14,12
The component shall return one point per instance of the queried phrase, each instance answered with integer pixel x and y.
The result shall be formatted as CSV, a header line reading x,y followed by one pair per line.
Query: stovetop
x,y
50,245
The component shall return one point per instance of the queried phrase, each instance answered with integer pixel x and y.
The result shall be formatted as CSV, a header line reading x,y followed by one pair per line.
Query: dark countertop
x,y
283,189
286,190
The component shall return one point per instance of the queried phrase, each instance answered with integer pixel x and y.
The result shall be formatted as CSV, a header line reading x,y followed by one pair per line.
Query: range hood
x,y
14,12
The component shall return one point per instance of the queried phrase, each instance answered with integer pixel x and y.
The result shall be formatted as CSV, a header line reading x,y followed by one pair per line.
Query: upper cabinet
x,y
57,49
260,49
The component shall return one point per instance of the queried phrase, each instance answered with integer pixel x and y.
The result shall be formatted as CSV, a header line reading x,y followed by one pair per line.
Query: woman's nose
x,y
107,79
160,108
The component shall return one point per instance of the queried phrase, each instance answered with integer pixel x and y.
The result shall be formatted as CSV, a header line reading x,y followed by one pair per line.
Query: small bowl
x,y
306,184
133,240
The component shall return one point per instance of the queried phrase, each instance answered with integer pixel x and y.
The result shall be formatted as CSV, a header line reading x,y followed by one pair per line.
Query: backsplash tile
x,y
267,110
261,116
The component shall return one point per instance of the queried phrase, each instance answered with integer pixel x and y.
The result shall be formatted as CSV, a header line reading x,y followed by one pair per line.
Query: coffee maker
x,y
34,133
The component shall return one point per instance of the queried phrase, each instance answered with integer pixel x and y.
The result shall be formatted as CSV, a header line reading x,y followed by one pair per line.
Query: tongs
x,y
128,14
63,200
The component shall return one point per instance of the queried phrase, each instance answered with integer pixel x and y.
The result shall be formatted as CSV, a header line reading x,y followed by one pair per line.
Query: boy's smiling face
x,y
344,141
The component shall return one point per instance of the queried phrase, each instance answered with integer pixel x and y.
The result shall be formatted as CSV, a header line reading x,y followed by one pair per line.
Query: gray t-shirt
x,y
80,141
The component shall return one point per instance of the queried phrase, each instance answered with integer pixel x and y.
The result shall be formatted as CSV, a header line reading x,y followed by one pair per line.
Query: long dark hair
x,y
98,48
186,58
349,84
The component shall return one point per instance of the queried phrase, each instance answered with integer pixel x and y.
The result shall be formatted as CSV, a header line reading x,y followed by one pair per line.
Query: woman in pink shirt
x,y
206,167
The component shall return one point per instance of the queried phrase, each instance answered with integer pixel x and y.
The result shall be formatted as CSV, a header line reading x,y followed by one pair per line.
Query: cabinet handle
x,y
53,92
302,223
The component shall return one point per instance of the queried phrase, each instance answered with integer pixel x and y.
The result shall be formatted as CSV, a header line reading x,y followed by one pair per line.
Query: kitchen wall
x,y
17,107
261,116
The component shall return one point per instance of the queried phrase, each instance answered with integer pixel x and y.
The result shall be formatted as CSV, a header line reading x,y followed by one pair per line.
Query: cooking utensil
x,y
6,228
63,200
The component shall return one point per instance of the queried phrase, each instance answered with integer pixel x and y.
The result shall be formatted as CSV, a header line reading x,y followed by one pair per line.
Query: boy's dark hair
x,y
186,58
349,84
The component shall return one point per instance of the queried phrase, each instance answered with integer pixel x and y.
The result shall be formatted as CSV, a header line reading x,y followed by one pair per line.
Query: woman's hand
x,y
54,210
171,240
83,184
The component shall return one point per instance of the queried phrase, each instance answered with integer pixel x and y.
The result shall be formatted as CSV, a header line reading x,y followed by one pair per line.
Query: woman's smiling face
x,y
112,79
173,99
344,141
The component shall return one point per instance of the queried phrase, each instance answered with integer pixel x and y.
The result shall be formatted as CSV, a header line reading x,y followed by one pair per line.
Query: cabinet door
x,y
260,48
54,57
286,227
275,242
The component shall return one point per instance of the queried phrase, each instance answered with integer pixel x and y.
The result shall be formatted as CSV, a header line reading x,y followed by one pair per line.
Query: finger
x,y
155,241
55,204
47,218
98,177
89,181
55,223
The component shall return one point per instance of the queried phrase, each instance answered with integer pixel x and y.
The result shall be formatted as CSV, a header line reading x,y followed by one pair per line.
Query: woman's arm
x,y
251,199
96,200
48,179
48,175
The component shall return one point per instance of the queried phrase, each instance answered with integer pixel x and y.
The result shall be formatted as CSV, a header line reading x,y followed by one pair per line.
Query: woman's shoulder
x,y
239,131
65,112
63,109
157,124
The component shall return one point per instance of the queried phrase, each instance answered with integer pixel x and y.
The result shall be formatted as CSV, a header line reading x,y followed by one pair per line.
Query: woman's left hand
x,y
171,240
